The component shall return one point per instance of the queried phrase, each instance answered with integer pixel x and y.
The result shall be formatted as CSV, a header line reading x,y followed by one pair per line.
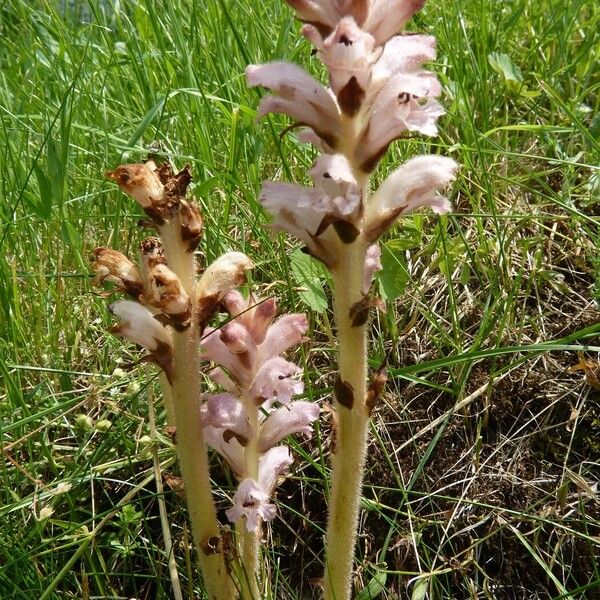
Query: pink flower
x,y
372,265
332,175
290,205
227,445
348,52
275,380
296,417
285,332
225,411
251,502
306,212
386,18
381,18
405,103
415,184
273,464
299,96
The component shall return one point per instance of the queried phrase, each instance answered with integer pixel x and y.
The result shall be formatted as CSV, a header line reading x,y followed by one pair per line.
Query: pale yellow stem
x,y
191,448
248,541
349,456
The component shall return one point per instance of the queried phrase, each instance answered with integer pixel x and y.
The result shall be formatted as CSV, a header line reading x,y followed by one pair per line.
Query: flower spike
x,y
378,92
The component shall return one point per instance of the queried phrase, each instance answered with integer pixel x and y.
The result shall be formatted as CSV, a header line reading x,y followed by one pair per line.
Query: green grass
x,y
487,308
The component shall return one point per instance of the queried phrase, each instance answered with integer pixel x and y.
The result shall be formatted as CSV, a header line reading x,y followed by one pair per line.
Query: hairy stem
x,y
351,435
191,449
249,540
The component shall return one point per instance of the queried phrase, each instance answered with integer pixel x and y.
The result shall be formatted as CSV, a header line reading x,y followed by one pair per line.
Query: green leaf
x,y
420,590
503,65
43,207
374,587
394,276
141,128
311,277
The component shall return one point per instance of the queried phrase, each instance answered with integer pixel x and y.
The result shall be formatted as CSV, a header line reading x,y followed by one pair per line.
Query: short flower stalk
x,y
168,314
247,422
378,92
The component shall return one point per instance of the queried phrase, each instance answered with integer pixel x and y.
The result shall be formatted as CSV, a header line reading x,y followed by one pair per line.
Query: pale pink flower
x,y
386,18
401,54
276,380
251,502
415,184
299,96
227,445
332,174
348,52
296,417
372,265
290,206
285,332
405,103
381,18
274,463
225,411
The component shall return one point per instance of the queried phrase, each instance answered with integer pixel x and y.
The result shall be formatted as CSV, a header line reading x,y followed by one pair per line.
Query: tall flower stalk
x,y
168,315
247,422
378,92
169,310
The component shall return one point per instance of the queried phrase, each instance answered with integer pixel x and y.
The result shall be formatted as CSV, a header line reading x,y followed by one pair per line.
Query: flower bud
x,y
163,289
140,181
138,325
110,265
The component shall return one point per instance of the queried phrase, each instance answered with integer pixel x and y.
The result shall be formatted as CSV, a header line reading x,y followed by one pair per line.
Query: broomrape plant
x,y
168,316
378,92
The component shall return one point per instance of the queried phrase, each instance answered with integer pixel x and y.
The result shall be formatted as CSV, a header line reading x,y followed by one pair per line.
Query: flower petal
x,y
251,502
272,464
225,411
286,332
404,54
387,17
283,201
348,52
230,449
413,185
296,417
307,136
372,265
332,173
138,325
220,377
261,317
217,351
299,96
405,103
276,380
